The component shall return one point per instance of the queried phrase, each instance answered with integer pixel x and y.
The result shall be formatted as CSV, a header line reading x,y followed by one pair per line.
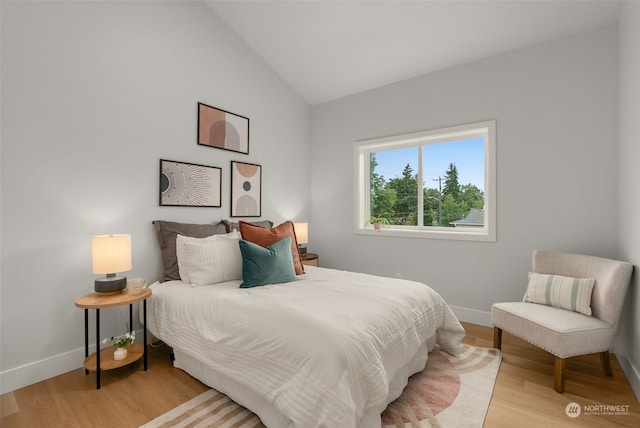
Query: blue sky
x,y
468,155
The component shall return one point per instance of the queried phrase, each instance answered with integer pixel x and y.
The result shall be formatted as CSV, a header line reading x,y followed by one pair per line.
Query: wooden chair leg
x,y
606,363
558,374
497,337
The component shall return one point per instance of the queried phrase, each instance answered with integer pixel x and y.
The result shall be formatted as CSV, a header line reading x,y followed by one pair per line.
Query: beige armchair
x,y
562,332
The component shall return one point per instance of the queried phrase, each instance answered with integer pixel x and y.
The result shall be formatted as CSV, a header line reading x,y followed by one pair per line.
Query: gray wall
x,y
93,95
556,106
628,344
563,181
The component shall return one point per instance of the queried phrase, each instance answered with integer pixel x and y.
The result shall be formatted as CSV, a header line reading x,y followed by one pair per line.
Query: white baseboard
x,y
37,371
632,372
472,316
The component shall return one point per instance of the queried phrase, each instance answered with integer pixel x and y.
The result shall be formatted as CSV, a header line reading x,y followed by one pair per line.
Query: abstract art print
x,y
246,189
190,185
223,130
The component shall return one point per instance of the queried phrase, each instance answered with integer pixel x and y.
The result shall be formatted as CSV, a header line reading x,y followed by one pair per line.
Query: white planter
x,y
120,354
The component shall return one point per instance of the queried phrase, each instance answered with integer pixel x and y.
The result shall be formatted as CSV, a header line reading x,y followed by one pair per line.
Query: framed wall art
x,y
246,189
222,129
190,185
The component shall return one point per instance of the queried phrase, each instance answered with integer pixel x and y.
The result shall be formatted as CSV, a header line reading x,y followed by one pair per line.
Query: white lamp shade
x,y
111,253
302,233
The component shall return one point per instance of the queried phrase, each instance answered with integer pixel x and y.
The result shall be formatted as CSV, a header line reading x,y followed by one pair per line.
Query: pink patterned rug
x,y
449,392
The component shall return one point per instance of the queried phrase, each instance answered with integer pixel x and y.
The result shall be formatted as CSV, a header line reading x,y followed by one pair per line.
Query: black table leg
x,y
131,317
86,337
97,348
144,329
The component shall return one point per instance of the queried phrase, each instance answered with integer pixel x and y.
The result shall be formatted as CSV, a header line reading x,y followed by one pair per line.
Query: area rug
x,y
449,392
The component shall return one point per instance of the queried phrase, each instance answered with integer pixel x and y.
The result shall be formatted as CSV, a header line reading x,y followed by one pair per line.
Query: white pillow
x,y
559,291
210,260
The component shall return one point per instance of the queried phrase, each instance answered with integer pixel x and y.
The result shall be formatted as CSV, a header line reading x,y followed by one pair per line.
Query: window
x,y
432,184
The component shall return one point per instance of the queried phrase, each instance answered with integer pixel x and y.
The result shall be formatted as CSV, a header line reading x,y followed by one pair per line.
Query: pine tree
x,y
451,185
406,206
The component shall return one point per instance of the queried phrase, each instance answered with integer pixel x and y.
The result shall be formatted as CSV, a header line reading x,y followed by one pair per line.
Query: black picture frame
x,y
246,189
222,129
184,184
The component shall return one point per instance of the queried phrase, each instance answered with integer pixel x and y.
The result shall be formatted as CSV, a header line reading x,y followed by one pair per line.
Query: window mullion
x,y
420,190
367,187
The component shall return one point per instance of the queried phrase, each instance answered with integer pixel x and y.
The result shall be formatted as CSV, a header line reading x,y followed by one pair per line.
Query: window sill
x,y
461,234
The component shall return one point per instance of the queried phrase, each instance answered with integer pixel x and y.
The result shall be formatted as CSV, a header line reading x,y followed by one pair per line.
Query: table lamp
x,y
302,236
111,254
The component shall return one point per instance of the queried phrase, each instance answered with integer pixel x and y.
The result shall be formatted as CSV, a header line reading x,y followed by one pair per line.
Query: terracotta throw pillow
x,y
265,237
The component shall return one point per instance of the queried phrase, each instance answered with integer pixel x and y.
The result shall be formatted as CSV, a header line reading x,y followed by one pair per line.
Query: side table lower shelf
x,y
135,351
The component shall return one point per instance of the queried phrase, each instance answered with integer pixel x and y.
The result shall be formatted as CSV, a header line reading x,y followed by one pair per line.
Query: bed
x,y
329,349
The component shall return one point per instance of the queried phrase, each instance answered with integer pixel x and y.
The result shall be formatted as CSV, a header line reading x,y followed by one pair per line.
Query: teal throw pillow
x,y
271,265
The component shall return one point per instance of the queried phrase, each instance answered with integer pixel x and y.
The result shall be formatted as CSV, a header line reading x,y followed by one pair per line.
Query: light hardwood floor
x,y
523,395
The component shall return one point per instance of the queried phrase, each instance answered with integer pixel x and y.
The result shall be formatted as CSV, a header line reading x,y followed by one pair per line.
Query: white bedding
x,y
322,350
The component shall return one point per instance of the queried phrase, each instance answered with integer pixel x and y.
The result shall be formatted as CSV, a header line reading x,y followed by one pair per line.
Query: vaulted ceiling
x,y
330,49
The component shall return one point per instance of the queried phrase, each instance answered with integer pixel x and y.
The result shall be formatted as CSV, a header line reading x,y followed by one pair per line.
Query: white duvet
x,y
322,350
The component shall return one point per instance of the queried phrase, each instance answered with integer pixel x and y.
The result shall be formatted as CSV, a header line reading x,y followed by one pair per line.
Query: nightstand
x,y
309,259
99,361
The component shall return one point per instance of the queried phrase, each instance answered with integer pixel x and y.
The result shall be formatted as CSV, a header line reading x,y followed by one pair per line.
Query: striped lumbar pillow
x,y
558,291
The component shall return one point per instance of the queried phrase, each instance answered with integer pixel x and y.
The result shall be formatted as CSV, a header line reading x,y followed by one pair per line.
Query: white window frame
x,y
363,149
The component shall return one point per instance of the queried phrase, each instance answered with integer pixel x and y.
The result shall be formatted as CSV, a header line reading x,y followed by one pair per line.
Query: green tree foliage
x,y
405,209
452,209
432,210
383,197
397,198
451,185
472,196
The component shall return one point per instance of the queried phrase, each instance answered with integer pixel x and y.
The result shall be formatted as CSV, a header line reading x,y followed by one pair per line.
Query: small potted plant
x,y
378,222
121,343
